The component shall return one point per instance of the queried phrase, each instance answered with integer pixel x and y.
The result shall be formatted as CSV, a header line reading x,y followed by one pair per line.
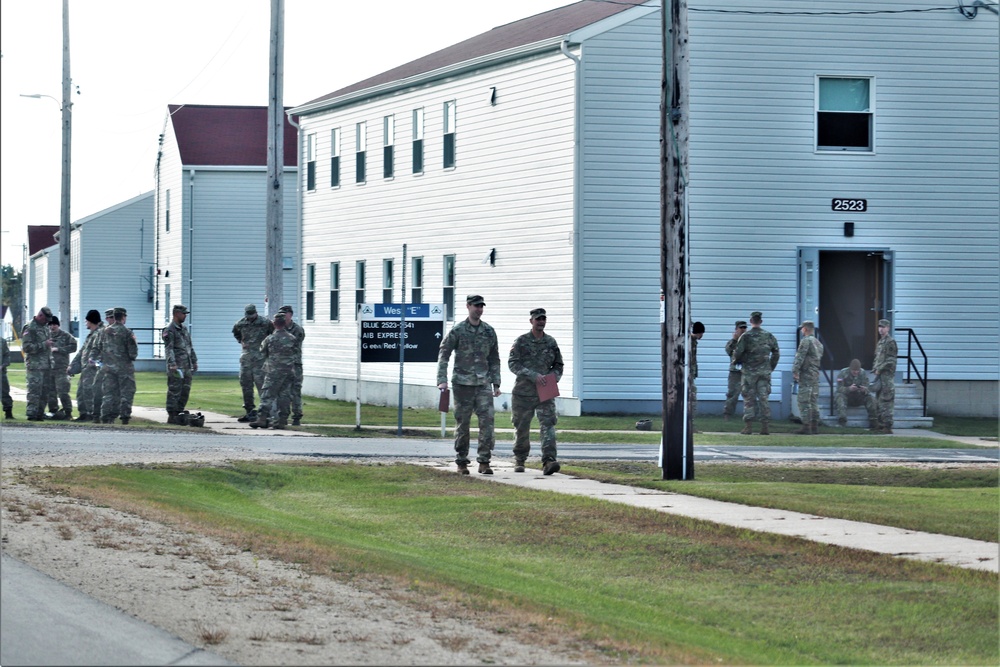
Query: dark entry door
x,y
846,293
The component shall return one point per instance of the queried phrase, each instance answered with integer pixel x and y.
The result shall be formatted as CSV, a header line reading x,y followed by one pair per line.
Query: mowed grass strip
x,y
960,501
643,586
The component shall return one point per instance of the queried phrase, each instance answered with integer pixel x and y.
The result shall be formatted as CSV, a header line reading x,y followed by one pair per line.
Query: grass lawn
x,y
642,586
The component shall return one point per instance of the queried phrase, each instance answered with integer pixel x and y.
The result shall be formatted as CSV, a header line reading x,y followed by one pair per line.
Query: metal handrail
x,y
911,338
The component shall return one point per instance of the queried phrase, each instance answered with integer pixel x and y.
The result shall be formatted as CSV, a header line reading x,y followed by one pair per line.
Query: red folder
x,y
548,390
444,400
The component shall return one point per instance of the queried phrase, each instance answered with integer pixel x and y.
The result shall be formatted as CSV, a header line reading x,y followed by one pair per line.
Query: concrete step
x,y
908,410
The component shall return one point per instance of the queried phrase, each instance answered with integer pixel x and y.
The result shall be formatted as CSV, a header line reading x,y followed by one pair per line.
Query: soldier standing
x,y
85,364
805,371
280,351
735,372
852,389
250,332
475,382
109,317
63,345
697,331
532,356
757,350
8,402
37,362
300,335
884,369
117,350
182,362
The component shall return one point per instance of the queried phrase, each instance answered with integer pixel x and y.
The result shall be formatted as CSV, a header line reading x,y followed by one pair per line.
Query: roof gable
x,y
226,135
41,237
547,25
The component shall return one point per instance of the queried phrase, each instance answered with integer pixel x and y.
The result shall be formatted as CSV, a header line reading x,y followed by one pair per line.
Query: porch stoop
x,y
908,411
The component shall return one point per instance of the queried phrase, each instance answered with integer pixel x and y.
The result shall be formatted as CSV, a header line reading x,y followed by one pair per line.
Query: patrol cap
x,y
756,313
285,309
280,319
93,317
250,309
808,324
740,324
538,312
883,323
120,311
46,311
855,365
181,309
698,328
109,312
475,300
53,320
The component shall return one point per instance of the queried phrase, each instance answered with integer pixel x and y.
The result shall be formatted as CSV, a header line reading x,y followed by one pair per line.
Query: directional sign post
x,y
423,327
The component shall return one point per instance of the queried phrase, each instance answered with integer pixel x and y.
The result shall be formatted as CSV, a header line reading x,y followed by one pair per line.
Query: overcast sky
x,y
131,58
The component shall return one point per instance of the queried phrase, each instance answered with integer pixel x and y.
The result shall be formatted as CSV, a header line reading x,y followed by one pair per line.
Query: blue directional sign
x,y
422,325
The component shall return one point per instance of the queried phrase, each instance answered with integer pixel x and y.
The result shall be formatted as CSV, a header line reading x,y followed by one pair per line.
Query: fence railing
x,y
911,365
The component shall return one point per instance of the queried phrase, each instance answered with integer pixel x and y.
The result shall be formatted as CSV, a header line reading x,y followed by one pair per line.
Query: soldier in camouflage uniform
x,y
182,362
757,350
117,350
280,351
63,345
37,362
852,389
250,332
805,371
735,372
475,382
884,369
697,331
8,401
85,365
532,356
109,317
300,335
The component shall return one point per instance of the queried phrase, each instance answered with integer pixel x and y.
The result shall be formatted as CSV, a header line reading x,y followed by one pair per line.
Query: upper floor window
x,y
387,281
449,134
388,146
335,157
310,292
311,162
359,287
418,141
845,114
448,293
334,291
166,216
360,147
417,290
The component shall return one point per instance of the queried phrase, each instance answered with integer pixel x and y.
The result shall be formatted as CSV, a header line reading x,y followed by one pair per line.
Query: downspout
x,y
190,271
298,201
577,389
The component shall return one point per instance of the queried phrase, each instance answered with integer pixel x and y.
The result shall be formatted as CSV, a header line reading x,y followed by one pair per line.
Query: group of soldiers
x,y
271,362
754,355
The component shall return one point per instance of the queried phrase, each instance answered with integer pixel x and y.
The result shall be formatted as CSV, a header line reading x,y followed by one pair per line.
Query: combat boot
x,y
747,428
248,417
83,417
887,429
550,467
519,465
8,413
261,422
172,418
485,469
462,468
125,421
815,427
872,425
297,421
763,428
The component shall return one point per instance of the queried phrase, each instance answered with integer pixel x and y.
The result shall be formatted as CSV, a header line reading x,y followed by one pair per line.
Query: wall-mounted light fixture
x,y
848,229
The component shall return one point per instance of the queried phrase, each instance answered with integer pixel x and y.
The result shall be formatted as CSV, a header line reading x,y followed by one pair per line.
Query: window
x,y
334,291
845,115
449,134
418,141
335,157
360,146
167,217
310,292
418,280
386,281
448,295
388,146
359,287
311,162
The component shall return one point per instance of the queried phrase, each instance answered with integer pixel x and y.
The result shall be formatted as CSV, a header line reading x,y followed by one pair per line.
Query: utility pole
x,y
274,288
67,133
677,443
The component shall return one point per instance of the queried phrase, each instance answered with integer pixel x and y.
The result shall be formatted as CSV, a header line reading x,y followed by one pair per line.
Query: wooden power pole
x,y
677,444
65,315
274,289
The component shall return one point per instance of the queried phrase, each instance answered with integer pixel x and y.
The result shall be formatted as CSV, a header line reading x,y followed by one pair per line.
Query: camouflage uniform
x,y
117,349
476,372
88,390
63,345
529,358
807,361
859,396
296,391
735,379
37,366
180,353
8,402
884,368
280,350
757,350
250,333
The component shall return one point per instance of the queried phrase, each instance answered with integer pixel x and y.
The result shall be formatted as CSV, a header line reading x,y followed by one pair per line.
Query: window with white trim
x,y
387,280
417,289
334,291
388,146
449,134
418,141
311,162
845,114
360,148
310,292
335,157
359,287
448,293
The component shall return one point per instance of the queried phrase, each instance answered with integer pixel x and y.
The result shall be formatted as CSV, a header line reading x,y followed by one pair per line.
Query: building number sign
x,y
856,205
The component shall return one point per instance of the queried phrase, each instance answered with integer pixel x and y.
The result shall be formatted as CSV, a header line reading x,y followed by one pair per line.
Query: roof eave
x,y
496,58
